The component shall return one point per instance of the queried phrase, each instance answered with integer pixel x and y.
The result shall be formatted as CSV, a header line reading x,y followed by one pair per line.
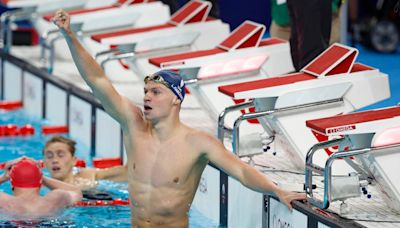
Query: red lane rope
x,y
106,162
61,129
14,130
115,202
28,130
10,105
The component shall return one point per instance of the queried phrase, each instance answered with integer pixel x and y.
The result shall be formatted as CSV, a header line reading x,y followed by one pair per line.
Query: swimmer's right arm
x,y
73,191
119,107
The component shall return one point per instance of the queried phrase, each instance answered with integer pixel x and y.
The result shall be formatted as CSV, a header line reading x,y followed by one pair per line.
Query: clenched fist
x,y
62,20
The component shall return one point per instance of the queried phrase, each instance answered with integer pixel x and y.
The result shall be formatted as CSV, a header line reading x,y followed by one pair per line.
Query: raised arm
x,y
119,107
241,171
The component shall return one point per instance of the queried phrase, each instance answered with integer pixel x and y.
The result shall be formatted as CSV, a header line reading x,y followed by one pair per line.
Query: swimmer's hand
x,y
10,163
286,197
63,21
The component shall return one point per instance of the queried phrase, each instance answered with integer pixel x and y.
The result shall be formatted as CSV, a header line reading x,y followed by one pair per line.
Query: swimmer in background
x,y
59,159
26,180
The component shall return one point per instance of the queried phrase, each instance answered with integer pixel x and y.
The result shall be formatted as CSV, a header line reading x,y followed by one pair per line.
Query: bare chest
x,y
163,164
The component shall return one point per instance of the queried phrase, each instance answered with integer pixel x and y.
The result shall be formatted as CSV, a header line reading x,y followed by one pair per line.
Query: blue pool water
x,y
100,216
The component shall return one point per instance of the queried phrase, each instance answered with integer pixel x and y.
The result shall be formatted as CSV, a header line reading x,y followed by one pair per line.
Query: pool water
x,y
95,216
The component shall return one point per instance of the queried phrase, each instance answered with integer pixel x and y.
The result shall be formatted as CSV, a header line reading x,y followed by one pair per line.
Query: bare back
x,y
163,177
35,206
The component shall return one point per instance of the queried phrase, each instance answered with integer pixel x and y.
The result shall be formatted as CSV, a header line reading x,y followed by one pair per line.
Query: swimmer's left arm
x,y
241,171
116,173
233,166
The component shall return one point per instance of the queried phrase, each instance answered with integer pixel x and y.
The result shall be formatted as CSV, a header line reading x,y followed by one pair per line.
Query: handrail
x,y
117,57
327,170
221,118
5,24
247,116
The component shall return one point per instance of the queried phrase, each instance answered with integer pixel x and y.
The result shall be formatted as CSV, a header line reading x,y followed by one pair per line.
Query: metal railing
x,y
270,132
327,170
6,21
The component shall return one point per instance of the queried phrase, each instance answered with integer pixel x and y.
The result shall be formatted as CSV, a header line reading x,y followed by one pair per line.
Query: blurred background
x,y
372,26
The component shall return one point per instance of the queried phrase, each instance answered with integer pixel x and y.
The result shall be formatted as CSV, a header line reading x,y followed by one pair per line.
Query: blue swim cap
x,y
170,79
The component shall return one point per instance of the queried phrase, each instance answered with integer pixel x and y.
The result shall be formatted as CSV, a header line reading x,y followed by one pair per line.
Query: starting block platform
x,y
330,85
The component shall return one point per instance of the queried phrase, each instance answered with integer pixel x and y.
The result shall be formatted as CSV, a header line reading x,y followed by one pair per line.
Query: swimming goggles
x,y
157,79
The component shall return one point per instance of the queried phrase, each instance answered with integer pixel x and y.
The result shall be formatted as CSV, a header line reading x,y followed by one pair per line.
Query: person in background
x,y
166,158
59,159
310,22
26,180
280,23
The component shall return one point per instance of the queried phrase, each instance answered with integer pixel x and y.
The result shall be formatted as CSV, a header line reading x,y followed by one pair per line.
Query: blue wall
x,y
234,12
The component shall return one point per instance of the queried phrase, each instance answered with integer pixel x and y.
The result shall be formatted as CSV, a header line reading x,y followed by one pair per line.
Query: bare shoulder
x,y
134,113
201,139
59,196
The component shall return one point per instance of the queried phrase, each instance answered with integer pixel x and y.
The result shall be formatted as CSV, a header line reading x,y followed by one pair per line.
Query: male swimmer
x,y
165,157
59,159
26,180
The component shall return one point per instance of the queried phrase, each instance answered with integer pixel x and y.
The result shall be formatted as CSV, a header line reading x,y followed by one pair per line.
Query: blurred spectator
x,y
313,33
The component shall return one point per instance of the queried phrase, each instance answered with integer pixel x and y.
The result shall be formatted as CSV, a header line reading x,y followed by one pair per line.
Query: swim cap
x,y
170,79
25,174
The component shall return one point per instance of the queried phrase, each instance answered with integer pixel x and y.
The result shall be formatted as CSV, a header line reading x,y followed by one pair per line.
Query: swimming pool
x,y
94,216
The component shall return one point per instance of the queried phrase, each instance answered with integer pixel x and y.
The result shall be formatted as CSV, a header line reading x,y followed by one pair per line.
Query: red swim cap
x,y
25,174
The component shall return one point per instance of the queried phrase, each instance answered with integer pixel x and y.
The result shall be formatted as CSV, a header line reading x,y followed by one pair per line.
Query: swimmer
x,y
26,180
59,159
165,157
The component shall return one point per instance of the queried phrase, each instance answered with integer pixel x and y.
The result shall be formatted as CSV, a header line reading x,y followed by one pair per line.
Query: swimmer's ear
x,y
177,101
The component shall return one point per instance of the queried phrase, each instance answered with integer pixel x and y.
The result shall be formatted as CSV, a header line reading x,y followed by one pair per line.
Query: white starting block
x,y
242,56
126,13
31,9
85,22
30,3
330,85
39,4
189,28
372,140
243,52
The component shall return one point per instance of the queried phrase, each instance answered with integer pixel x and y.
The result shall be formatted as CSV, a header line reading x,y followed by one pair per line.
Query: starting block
x,y
242,56
370,142
189,28
86,22
330,85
